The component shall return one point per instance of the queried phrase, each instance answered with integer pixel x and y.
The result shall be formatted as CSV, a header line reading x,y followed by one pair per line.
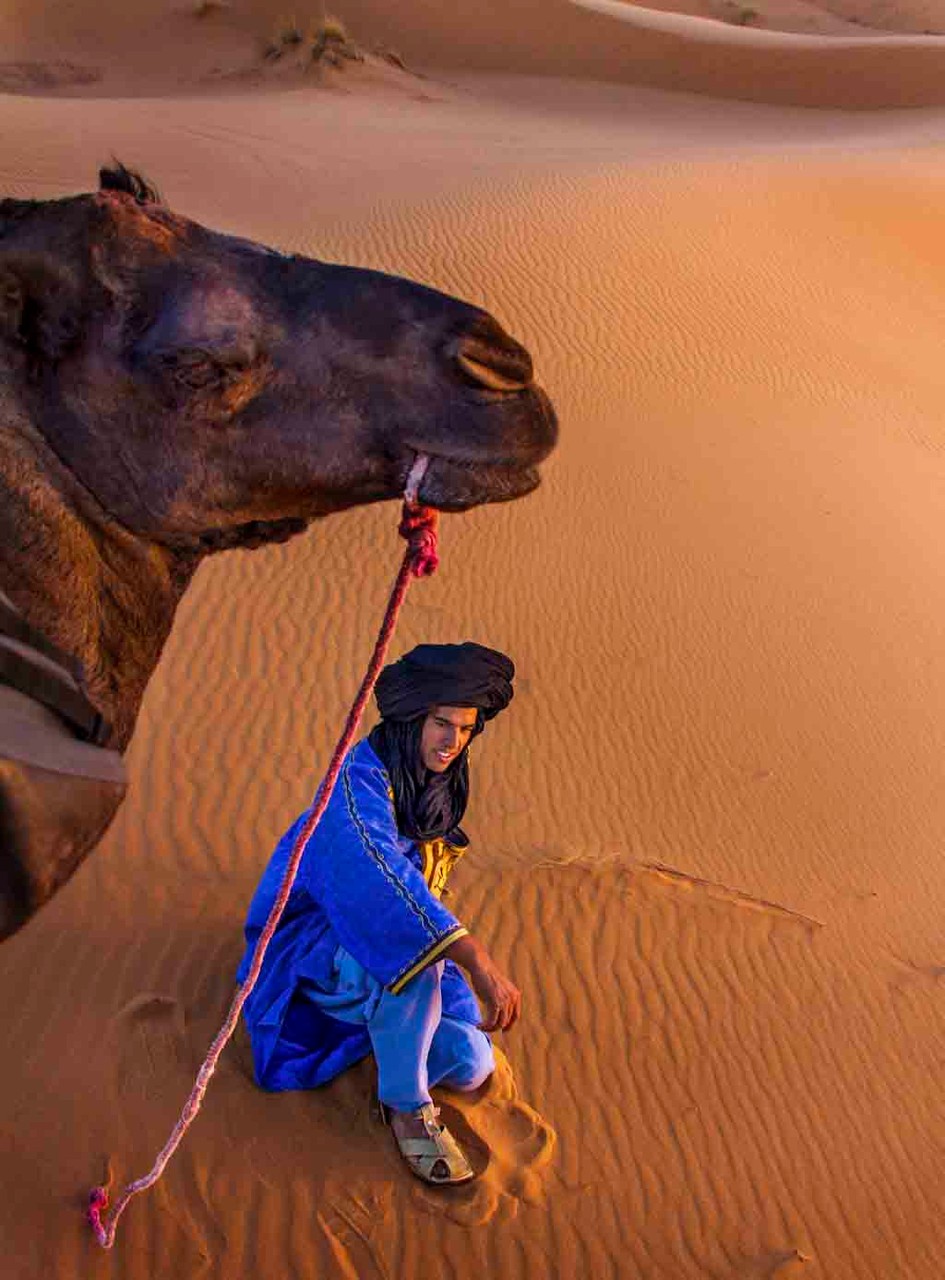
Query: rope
x,y
418,526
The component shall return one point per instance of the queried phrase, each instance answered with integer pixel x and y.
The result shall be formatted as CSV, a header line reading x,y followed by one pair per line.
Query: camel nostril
x,y
488,357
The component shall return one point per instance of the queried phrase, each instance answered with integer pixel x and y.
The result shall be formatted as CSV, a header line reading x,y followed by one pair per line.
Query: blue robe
x,y
363,887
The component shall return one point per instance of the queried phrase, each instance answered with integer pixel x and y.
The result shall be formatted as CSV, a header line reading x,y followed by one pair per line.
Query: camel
x,y
168,392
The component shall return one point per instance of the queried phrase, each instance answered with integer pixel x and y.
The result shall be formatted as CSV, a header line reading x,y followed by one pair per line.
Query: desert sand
x,y
708,835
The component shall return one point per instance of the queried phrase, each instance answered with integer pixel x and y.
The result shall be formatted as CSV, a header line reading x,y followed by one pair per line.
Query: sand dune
x,y
707,836
121,50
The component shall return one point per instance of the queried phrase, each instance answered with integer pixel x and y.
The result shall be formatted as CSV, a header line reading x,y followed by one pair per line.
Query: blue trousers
x,y
415,1045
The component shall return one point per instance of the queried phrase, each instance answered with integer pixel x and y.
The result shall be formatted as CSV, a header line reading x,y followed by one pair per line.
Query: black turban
x,y
446,675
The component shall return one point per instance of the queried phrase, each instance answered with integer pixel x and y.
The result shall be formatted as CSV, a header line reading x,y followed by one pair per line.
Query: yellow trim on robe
x,y
427,958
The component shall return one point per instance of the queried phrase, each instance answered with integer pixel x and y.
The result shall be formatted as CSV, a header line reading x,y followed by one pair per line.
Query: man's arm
x,y
500,998
376,900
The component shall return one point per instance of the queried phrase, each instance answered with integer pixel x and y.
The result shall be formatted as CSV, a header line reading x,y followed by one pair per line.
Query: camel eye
x,y
194,369
212,382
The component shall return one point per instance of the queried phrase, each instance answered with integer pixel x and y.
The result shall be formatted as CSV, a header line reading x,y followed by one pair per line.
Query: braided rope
x,y
418,526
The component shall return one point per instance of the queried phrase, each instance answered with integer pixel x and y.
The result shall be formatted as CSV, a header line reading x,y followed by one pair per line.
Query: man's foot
x,y
430,1150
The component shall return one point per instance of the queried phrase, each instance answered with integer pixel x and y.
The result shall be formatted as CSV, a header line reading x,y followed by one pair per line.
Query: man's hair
x,y
427,805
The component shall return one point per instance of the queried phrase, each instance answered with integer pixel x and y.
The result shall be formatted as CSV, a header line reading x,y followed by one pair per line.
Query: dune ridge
x,y
121,51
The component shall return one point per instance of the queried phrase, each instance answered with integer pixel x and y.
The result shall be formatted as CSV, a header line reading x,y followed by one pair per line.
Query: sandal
x,y
435,1158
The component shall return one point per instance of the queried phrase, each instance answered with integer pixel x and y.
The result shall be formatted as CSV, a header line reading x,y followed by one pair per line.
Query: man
x,y
365,957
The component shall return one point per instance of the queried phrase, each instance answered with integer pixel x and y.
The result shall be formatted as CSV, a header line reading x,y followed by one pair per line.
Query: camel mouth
x,y
456,483
452,484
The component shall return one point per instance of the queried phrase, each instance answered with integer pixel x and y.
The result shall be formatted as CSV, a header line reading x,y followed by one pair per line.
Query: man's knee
x,y
473,1061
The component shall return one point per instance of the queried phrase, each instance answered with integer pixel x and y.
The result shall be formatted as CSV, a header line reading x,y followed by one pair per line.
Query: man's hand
x,y
500,998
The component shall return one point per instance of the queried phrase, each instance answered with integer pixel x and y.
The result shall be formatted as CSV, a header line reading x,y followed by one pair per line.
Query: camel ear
x,y
39,309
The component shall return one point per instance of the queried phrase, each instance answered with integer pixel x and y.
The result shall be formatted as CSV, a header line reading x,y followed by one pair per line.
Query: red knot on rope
x,y
419,526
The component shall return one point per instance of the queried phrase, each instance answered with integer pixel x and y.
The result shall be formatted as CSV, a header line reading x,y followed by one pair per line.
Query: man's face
x,y
446,730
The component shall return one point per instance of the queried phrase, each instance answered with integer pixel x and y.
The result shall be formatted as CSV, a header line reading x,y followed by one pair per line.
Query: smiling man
x,y
367,959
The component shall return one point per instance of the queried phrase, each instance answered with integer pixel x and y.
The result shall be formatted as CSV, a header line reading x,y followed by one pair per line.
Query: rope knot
x,y
98,1203
419,526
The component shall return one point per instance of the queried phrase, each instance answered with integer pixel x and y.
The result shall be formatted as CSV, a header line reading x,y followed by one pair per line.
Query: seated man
x,y
365,957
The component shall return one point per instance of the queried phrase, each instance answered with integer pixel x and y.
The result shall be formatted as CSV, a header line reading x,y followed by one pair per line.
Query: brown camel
x,y
167,392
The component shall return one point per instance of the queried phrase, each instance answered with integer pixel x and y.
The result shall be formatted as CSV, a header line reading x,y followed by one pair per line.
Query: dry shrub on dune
x,y
287,34
326,38
332,43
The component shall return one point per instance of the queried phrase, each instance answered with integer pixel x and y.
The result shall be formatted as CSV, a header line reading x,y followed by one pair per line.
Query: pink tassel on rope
x,y
419,526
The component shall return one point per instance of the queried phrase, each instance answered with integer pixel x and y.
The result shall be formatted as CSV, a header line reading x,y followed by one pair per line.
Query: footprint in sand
x,y
508,1144
151,1035
778,1264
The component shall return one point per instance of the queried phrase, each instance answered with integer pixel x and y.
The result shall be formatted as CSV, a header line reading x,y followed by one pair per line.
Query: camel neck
x,y
99,594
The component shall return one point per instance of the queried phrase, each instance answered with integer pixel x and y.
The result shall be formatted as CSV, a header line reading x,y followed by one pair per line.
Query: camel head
x,y
208,392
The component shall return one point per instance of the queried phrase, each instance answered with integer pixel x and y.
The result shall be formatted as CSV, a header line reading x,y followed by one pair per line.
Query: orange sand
x,y
708,833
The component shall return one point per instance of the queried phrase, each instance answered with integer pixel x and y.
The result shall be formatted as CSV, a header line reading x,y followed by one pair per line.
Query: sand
x,y
707,836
